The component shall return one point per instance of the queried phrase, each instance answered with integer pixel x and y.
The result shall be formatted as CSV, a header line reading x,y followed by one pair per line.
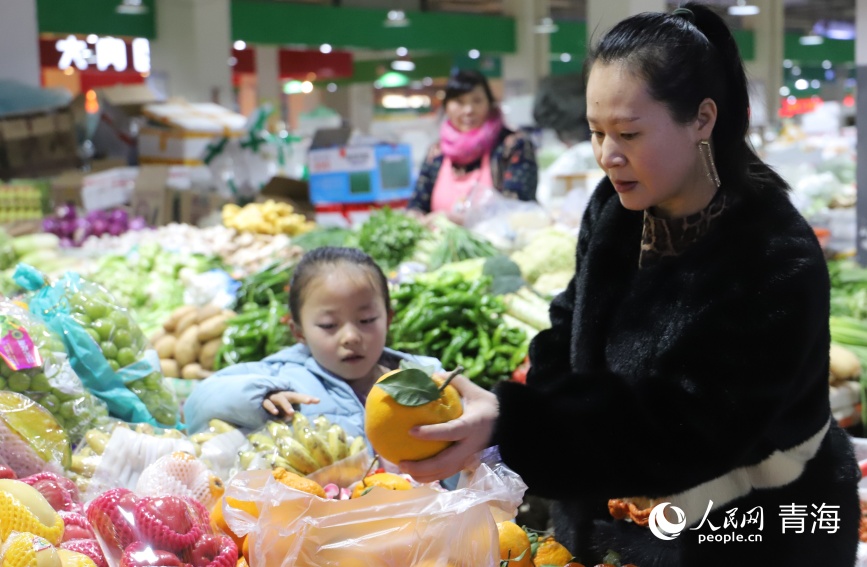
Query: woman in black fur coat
x,y
686,369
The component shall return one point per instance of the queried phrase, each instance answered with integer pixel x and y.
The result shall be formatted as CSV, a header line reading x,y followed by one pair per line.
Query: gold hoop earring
x,y
709,166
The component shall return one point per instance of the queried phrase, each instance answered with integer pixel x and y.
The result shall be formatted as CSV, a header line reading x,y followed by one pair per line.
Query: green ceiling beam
x,y
95,16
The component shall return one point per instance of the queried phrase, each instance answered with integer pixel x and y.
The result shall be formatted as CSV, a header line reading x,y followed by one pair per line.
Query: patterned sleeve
x,y
427,176
520,173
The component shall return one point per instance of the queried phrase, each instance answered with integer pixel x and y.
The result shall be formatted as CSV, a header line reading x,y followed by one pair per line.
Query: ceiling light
x,y
240,45
401,51
325,48
396,19
811,39
474,54
392,79
545,25
743,9
131,7
403,65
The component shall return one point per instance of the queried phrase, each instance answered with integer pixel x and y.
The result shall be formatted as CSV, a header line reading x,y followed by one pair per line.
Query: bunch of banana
x,y
215,427
88,454
303,448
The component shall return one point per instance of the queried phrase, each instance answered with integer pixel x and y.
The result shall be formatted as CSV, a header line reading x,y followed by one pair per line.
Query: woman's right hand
x,y
279,404
471,433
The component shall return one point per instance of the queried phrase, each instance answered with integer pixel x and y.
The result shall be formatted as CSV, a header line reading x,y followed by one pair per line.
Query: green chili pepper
x,y
457,343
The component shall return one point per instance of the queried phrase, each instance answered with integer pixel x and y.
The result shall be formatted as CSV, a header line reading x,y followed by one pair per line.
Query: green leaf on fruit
x,y
406,364
410,387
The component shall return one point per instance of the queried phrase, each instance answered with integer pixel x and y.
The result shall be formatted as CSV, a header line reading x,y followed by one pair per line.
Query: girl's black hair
x,y
314,262
685,57
463,81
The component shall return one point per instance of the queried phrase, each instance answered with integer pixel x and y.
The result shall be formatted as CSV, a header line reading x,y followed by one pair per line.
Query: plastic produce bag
x,y
31,440
106,347
33,362
383,528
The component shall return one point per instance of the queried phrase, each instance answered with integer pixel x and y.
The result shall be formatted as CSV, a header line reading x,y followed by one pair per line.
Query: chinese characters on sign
x,y
106,52
823,518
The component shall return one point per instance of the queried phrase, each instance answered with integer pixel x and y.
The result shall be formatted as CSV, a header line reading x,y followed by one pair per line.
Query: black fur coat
x,y
704,373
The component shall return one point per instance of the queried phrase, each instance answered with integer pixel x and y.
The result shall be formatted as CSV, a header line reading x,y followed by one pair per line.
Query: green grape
x,y
19,382
120,318
96,310
113,363
39,382
94,335
68,409
54,345
50,402
104,328
122,339
109,350
65,396
165,415
2,383
153,381
82,319
126,356
5,371
77,302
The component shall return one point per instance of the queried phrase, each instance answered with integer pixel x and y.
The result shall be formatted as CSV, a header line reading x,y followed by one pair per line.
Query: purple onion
x,y
67,227
66,242
138,223
118,216
52,225
66,212
99,227
116,229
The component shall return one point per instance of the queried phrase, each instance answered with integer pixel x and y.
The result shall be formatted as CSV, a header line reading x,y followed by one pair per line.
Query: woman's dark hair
x,y
324,258
685,57
463,81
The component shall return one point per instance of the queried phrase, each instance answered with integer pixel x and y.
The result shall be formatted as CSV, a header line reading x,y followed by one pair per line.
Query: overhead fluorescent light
x,y
743,9
396,19
131,7
545,25
811,39
402,65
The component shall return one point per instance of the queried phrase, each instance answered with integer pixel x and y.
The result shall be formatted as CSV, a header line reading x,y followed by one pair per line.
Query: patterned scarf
x,y
463,148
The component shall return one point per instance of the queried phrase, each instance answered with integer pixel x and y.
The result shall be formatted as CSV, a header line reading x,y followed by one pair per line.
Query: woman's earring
x,y
709,166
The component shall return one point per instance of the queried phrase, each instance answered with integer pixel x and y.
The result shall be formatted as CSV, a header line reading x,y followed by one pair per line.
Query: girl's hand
x,y
471,433
280,403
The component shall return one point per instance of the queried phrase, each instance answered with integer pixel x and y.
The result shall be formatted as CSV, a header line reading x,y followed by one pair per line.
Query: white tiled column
x,y
190,55
765,71
603,14
523,69
861,120
19,42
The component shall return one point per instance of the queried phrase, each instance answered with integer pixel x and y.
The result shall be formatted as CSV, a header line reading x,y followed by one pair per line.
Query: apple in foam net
x,y
167,522
214,551
60,491
140,554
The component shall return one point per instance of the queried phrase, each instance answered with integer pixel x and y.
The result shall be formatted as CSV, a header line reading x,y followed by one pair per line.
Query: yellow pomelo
x,y
387,422
514,545
387,480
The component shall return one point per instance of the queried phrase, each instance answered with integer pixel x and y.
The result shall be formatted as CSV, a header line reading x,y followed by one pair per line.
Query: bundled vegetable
x,y
451,243
107,349
33,362
460,323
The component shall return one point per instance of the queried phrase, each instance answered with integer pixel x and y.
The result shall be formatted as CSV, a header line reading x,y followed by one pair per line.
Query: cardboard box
x,y
179,132
360,174
38,144
66,186
120,108
193,206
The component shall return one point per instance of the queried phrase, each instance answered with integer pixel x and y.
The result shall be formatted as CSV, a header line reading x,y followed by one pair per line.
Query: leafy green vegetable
x,y
505,275
325,236
389,237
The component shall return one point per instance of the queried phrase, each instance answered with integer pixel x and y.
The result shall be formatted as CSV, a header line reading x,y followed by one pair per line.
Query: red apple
x,y
75,526
167,522
214,550
7,472
60,491
139,554
89,547
111,514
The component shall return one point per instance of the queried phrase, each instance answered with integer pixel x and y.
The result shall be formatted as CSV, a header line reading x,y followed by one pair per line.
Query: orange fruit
x,y
245,549
387,480
387,422
514,545
552,552
298,482
218,521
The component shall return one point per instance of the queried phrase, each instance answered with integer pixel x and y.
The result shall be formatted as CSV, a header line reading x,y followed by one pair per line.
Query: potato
x,y
192,371
165,346
208,355
206,312
844,364
172,322
187,348
185,322
158,334
169,367
212,328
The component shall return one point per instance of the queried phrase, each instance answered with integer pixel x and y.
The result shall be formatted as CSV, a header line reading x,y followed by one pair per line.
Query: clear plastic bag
x,y
383,528
504,221
33,362
106,347
31,439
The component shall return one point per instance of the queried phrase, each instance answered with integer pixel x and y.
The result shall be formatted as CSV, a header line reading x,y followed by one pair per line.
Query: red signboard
x,y
300,64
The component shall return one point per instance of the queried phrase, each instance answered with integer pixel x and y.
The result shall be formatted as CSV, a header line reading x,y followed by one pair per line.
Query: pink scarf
x,y
463,148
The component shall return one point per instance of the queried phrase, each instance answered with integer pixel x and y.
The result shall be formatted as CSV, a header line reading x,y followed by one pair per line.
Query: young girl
x,y
339,301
